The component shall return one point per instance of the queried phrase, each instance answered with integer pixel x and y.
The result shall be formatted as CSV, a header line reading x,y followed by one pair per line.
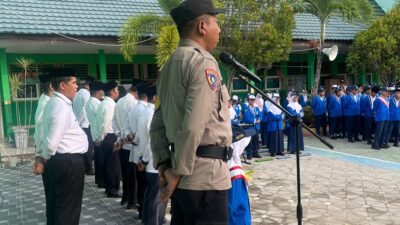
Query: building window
x,y
152,71
272,83
30,90
239,85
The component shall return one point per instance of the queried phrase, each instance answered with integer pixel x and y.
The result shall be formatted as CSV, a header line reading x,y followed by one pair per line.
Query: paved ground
x,y
338,189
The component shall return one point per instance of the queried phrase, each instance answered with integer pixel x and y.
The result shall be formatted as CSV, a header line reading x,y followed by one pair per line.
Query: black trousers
x,y
141,188
153,208
253,146
334,126
368,128
352,126
320,121
112,166
189,207
131,195
124,160
343,126
89,154
99,166
64,180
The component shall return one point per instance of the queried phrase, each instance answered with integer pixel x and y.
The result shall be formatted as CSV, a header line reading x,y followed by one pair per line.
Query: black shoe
x,y
281,154
131,206
272,155
100,186
351,140
358,140
385,146
249,157
333,137
369,142
396,145
123,201
376,148
258,156
111,195
90,173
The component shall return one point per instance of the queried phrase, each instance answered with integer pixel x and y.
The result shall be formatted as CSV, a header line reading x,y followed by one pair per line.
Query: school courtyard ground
x,y
350,185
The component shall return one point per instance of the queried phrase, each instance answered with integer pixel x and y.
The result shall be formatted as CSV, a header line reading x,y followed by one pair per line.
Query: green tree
x,y
377,48
257,33
352,10
139,28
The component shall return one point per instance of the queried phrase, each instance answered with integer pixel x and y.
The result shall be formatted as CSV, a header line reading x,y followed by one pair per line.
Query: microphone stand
x,y
297,122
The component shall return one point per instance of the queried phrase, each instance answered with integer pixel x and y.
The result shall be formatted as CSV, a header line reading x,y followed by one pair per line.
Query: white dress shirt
x,y
43,100
145,117
121,116
132,127
79,105
91,109
61,130
104,117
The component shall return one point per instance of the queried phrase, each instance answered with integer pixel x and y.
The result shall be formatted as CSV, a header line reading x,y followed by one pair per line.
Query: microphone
x,y
229,60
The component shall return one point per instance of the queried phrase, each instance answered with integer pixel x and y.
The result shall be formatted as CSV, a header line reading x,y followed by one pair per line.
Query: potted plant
x,y
18,87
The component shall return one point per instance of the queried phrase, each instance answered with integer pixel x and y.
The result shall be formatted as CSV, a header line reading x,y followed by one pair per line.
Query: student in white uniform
x,y
120,119
138,179
79,107
64,146
96,94
153,208
107,137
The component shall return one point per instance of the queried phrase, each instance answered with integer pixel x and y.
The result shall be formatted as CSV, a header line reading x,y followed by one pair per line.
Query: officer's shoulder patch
x,y
212,78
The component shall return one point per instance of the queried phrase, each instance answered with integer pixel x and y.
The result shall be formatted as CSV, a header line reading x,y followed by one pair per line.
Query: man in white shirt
x,y
79,107
137,180
44,79
96,94
153,208
64,146
107,138
120,118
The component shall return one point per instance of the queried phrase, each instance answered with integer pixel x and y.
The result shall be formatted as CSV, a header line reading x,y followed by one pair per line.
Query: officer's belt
x,y
212,151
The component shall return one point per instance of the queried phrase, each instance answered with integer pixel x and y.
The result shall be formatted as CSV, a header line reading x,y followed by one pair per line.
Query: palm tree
x,y
138,27
360,10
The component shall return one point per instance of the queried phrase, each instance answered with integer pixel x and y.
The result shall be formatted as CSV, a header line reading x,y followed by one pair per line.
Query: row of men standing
x,y
375,114
91,123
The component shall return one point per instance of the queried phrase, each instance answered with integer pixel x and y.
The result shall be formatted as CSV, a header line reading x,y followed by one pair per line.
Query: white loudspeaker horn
x,y
331,52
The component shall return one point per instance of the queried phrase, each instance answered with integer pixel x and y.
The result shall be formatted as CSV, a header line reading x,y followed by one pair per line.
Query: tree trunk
x,y
319,60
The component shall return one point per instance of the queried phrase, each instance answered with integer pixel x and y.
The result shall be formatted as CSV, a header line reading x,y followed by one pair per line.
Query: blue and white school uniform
x,y
275,131
318,105
351,110
250,116
367,114
381,113
334,113
295,109
394,121
238,198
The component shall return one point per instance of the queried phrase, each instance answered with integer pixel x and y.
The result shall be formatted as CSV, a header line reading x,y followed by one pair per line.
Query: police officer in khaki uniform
x,y
191,131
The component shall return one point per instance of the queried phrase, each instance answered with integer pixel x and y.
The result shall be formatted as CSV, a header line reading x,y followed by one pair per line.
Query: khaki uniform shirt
x,y
193,112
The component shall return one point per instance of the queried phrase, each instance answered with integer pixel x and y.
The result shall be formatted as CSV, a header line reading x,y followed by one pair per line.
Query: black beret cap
x,y
62,72
110,85
191,9
96,85
321,90
375,89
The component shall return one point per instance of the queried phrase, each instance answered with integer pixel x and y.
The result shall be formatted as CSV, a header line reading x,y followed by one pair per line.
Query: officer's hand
x,y
172,182
38,167
161,173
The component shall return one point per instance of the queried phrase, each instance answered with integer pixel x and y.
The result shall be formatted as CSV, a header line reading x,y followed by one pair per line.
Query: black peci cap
x,y
96,85
191,9
110,85
151,91
44,76
62,72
